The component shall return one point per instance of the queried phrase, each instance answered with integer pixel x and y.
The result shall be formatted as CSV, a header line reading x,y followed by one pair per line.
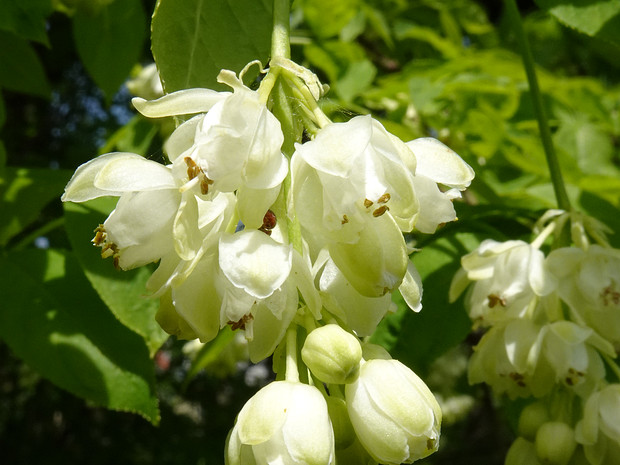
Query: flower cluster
x,y
265,241
553,326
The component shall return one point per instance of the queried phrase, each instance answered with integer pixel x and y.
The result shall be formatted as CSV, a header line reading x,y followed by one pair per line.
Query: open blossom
x,y
506,280
589,282
285,423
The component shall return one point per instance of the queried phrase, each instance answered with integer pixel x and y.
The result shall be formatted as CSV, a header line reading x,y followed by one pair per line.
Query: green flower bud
x,y
532,417
521,452
555,443
332,354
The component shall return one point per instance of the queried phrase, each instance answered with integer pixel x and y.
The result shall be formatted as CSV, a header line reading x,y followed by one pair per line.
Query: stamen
x,y
235,325
384,198
380,211
368,203
269,222
494,299
345,219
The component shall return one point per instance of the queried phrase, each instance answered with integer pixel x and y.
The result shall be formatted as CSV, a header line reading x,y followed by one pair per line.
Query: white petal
x,y
440,163
187,237
254,262
435,207
131,174
183,102
81,187
182,138
411,288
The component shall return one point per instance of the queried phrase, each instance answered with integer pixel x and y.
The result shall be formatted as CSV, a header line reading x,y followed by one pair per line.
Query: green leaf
x,y
417,339
122,291
596,18
26,18
21,69
192,40
329,24
23,193
51,318
109,41
135,137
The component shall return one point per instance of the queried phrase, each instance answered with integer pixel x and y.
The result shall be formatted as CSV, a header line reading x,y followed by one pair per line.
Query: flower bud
x,y
521,452
532,417
332,354
555,443
285,423
394,414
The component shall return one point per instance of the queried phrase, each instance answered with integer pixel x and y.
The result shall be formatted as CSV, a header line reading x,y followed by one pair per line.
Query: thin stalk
x,y
543,125
292,372
280,37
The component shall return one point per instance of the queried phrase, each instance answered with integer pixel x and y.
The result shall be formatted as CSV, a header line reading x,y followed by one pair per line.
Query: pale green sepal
x,y
182,102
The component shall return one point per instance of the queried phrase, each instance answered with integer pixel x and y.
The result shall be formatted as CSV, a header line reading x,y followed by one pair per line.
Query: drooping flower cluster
x,y
552,329
266,242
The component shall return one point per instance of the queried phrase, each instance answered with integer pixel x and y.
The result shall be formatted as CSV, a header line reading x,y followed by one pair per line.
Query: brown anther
x,y
345,219
193,169
204,184
116,261
430,444
518,378
384,198
269,222
380,211
100,236
235,325
494,299
368,203
609,295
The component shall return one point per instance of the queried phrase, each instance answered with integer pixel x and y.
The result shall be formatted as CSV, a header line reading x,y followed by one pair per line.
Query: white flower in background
x,y
599,429
589,282
285,423
394,414
437,164
147,83
508,278
504,359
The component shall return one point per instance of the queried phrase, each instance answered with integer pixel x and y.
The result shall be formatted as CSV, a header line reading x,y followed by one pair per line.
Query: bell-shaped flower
x,y
394,414
437,164
555,443
599,429
589,282
140,229
285,423
505,360
350,172
507,279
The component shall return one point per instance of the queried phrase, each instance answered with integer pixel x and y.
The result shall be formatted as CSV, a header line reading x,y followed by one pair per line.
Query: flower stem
x,y
292,373
280,36
543,126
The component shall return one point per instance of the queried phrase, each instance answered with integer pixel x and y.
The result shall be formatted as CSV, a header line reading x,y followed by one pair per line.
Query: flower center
x,y
193,171
381,209
108,248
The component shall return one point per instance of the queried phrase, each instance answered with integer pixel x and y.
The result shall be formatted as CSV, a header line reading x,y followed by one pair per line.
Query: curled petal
x,y
183,102
440,163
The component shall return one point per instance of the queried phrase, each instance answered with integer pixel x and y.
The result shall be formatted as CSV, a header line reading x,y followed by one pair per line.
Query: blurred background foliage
x,y
446,69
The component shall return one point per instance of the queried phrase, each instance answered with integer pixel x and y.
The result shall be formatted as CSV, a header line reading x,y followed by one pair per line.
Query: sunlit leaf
x,y
596,18
23,193
122,291
51,318
192,40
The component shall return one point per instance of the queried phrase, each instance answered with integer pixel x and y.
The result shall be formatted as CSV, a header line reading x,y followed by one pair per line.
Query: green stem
x,y
543,126
280,37
292,372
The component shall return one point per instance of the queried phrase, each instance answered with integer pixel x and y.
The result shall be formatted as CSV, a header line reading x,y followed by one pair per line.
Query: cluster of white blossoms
x,y
284,245
553,330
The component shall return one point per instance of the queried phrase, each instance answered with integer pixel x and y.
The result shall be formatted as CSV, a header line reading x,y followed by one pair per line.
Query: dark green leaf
x,y
596,18
192,40
25,18
51,318
23,193
329,25
122,291
109,41
21,70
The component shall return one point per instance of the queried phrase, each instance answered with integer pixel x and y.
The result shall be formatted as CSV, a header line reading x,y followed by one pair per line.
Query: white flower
x,y
599,430
394,414
285,423
140,229
437,164
589,282
508,277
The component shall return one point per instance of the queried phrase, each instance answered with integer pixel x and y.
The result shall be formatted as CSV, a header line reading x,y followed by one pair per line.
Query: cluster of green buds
x,y
552,333
276,221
